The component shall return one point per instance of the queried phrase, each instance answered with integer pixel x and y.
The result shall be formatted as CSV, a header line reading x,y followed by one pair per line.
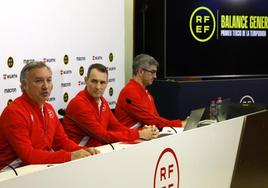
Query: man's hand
x,y
155,130
148,132
79,154
183,122
92,151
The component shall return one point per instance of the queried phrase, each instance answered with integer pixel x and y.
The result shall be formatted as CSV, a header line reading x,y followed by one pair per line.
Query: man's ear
x,y
140,71
86,78
23,84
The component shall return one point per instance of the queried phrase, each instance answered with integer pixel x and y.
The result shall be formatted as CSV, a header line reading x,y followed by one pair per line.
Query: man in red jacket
x,y
89,120
136,105
30,132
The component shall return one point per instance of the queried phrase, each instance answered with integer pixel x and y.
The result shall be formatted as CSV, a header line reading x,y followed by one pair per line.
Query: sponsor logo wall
x,y
69,36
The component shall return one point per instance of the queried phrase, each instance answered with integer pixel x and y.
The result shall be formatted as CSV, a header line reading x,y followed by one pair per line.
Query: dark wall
x,y
178,99
149,30
252,159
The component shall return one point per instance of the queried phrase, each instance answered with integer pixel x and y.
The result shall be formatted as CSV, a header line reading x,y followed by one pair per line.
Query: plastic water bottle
x,y
212,110
219,108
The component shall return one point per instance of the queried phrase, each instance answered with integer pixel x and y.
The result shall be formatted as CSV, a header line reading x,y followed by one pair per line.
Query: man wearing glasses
x,y
135,106
89,120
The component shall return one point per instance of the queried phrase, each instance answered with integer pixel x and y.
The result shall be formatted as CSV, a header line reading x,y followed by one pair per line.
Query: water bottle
x,y
212,110
219,108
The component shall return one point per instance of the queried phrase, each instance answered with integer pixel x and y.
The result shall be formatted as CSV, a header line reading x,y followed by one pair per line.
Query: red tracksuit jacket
x,y
29,136
84,122
142,108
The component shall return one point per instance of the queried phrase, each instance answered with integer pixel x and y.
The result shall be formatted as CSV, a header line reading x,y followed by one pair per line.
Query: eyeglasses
x,y
150,71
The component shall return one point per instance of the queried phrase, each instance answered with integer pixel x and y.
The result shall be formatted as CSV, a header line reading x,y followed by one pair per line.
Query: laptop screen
x,y
194,118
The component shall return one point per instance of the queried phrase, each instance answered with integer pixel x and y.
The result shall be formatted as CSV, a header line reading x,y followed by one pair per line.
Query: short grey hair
x,y
143,61
32,65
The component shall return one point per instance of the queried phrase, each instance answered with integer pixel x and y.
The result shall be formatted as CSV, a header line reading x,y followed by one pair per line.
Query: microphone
x,y
129,101
62,112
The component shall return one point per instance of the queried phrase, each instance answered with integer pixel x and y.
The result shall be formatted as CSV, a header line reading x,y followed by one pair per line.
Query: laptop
x,y
192,122
194,118
233,109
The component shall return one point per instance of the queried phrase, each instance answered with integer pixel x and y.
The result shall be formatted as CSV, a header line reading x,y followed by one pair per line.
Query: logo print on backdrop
x,y
9,101
81,83
247,100
111,91
111,57
65,97
10,76
81,71
65,72
80,58
167,170
50,99
202,24
10,62
112,68
25,61
111,80
67,84
96,58
49,60
10,90
65,59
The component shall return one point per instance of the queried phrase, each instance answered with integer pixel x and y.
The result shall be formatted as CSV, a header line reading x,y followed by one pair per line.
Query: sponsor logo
x,y
94,58
111,57
68,84
10,76
111,80
26,61
9,101
65,97
111,91
65,72
103,108
10,90
50,99
80,58
81,71
247,100
167,170
65,59
49,60
112,68
50,114
10,62
81,83
202,24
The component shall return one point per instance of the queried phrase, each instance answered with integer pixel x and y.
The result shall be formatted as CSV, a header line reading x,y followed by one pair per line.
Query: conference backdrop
x,y
69,35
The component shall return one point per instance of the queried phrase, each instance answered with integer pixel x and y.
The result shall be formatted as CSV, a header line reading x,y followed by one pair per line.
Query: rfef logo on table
x,y
166,173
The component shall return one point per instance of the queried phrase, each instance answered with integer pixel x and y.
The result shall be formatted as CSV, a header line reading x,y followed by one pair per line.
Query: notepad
x,y
169,131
